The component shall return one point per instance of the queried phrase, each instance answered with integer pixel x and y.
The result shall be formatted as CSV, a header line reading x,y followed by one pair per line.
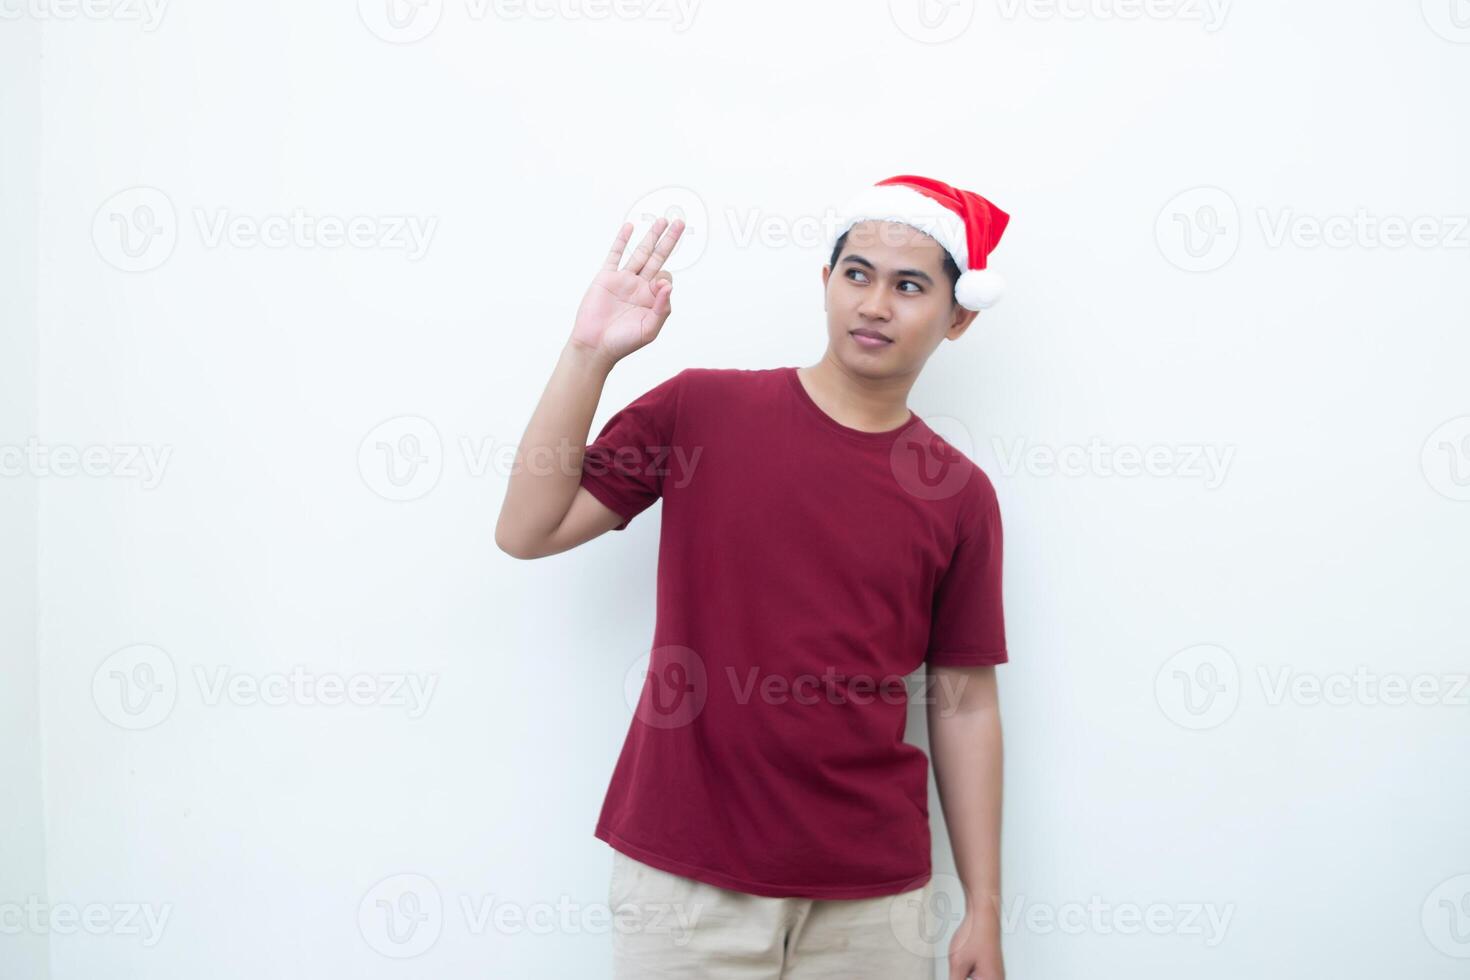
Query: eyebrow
x,y
912,273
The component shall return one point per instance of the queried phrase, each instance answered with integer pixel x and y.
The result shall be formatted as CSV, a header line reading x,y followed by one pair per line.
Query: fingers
x,y
615,254
662,304
645,248
661,252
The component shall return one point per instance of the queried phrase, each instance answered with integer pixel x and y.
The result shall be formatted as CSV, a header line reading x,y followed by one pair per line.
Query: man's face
x,y
890,281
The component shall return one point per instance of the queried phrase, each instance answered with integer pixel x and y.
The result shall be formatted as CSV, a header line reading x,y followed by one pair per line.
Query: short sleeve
x,y
625,465
967,626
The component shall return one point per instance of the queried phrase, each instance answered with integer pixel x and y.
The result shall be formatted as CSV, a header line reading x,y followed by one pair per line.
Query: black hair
x,y
950,269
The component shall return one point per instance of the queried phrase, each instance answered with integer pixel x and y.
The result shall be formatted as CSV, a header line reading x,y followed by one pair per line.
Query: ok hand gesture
x,y
624,309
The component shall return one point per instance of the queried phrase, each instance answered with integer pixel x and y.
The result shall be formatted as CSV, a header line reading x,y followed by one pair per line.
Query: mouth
x,y
870,337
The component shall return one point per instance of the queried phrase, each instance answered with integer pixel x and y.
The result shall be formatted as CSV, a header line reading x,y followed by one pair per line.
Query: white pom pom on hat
x,y
965,225
979,289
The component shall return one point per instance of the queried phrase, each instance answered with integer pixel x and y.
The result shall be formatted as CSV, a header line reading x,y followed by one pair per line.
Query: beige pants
x,y
668,926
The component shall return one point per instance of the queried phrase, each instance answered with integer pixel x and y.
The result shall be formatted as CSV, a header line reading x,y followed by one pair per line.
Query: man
x,y
819,543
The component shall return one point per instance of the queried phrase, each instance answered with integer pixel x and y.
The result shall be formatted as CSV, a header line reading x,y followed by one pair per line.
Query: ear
x,y
962,320
826,274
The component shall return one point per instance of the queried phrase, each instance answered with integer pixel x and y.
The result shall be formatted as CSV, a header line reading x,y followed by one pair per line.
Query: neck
x,y
869,404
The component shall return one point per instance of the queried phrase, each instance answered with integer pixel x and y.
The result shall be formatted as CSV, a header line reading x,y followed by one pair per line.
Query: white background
x,y
1332,377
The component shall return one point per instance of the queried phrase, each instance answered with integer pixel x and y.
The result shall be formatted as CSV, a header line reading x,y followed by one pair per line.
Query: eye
x,y
854,272
910,282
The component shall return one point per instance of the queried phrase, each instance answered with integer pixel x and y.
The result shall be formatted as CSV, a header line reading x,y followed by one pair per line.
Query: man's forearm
x,y
548,463
967,751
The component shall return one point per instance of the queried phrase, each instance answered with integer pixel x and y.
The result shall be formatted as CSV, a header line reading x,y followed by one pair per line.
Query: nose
x,y
874,305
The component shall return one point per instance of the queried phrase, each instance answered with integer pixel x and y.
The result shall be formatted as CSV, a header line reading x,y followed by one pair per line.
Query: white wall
x,y
245,523
23,951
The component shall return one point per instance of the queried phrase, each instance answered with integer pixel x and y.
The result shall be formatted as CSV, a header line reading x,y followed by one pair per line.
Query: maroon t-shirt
x,y
805,569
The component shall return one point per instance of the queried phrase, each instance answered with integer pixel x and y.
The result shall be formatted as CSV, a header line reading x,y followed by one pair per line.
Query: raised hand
x,y
625,308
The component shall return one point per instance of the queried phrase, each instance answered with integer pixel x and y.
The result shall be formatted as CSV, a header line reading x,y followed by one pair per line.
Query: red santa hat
x,y
963,223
